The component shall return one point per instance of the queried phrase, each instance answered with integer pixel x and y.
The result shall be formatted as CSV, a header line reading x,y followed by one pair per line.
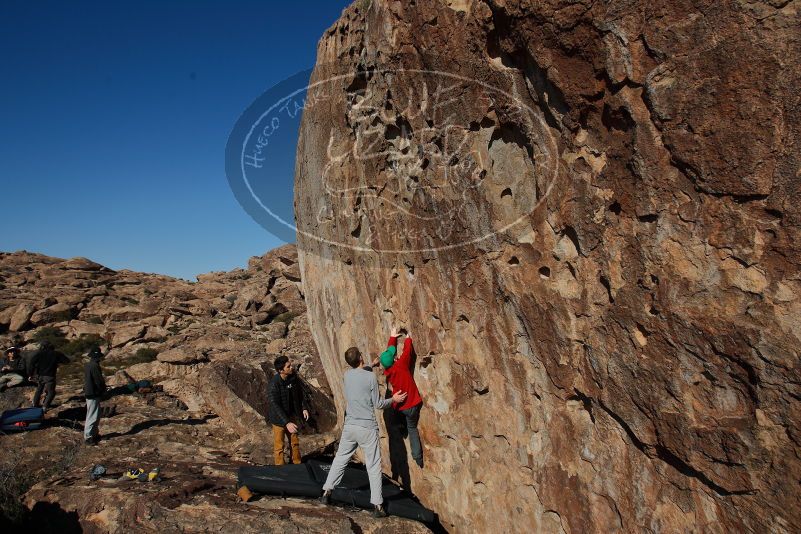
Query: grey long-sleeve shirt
x,y
362,398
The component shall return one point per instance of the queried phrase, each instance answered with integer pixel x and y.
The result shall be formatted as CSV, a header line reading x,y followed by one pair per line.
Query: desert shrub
x,y
16,479
286,317
66,315
145,354
81,345
14,483
142,355
52,334
74,349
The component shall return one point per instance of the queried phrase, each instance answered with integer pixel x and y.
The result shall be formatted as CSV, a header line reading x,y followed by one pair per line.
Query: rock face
x,y
585,212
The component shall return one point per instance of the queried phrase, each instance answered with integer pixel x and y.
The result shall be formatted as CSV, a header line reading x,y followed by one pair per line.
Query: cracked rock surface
x,y
586,212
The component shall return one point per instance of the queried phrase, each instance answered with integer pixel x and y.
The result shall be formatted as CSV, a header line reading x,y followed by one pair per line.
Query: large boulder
x,y
120,335
585,213
238,394
21,317
51,314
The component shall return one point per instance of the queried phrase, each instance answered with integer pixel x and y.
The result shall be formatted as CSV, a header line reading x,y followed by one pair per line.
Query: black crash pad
x,y
21,419
306,480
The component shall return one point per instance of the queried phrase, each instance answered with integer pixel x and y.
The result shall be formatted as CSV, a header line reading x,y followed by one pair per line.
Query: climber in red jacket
x,y
399,375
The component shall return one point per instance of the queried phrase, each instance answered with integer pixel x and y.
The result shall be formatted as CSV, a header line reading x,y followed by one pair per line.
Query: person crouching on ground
x,y
94,387
399,375
361,429
13,369
286,406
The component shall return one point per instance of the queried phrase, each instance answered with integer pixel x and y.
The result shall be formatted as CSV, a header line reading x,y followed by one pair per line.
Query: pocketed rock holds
x,y
596,210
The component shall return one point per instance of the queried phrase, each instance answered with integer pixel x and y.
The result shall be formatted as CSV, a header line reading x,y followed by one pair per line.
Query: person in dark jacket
x,y
94,387
45,366
12,368
286,408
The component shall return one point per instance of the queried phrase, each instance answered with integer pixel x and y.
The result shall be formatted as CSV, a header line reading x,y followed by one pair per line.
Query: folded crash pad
x,y
306,480
285,480
21,419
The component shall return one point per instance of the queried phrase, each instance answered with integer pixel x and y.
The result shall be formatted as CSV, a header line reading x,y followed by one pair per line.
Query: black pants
x,y
48,385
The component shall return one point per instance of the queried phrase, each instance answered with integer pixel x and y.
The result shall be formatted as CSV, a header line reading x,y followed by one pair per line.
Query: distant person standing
x,y
45,367
360,429
94,387
286,407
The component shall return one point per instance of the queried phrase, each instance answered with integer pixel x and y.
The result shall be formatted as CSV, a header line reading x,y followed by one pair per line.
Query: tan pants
x,y
278,445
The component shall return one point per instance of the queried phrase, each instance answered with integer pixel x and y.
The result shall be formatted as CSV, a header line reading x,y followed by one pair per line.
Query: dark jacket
x,y
94,385
285,399
46,362
16,366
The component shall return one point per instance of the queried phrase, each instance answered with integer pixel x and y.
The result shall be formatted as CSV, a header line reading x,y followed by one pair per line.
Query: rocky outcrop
x,y
585,213
210,361
197,452
246,317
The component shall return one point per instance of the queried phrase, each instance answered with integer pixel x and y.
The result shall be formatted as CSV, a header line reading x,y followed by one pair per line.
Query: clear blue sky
x,y
114,118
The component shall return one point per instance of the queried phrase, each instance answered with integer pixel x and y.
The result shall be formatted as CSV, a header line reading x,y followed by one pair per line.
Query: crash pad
x,y
21,419
307,479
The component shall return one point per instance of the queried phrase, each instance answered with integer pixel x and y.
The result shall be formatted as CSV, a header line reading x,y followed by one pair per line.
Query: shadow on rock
x,y
138,427
50,517
395,423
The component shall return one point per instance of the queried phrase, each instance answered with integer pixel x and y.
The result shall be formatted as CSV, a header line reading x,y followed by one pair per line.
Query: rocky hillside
x,y
209,345
586,213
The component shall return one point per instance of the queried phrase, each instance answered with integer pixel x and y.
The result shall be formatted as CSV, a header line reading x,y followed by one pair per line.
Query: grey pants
x,y
367,440
10,380
90,427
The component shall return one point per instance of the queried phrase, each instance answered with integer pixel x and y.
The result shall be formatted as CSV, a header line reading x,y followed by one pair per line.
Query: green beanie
x,y
388,357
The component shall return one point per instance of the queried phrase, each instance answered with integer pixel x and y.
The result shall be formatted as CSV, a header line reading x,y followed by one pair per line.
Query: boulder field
x,y
207,347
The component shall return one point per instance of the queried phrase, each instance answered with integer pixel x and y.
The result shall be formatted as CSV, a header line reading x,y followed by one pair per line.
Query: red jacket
x,y
400,376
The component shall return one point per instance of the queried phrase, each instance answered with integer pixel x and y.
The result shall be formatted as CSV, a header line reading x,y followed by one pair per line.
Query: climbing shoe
x,y
153,475
419,462
132,474
379,511
325,498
